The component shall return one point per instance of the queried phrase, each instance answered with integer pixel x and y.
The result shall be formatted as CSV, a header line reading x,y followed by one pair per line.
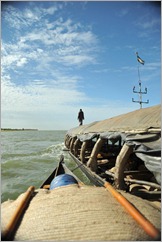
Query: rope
x,y
77,167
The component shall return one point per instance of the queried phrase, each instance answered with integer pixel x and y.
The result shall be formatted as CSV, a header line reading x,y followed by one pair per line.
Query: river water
x,y
27,159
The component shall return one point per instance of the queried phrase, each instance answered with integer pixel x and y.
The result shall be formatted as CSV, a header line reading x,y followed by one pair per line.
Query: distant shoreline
x,y
8,129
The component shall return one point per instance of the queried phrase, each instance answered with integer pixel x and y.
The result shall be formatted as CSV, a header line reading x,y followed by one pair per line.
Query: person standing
x,y
81,117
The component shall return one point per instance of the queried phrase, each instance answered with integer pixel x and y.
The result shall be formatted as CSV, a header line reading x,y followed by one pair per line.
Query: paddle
x,y
9,231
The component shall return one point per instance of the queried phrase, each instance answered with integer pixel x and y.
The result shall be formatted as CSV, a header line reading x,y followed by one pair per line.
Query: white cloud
x,y
149,24
63,42
21,62
39,97
51,107
77,59
30,15
24,18
123,12
35,103
42,69
153,65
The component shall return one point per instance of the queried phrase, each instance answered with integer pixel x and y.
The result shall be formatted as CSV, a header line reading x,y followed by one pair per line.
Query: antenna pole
x,y
140,84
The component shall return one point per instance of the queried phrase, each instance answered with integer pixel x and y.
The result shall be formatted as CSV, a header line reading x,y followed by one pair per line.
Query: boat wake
x,y
53,150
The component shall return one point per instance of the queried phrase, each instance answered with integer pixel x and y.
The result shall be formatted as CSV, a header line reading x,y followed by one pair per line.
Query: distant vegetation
x,y
8,129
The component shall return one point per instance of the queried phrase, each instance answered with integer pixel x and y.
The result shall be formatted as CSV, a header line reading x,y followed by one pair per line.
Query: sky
x,y
60,57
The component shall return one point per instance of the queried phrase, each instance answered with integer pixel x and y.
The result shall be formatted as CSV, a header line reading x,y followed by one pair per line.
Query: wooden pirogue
x,y
59,170
78,212
124,150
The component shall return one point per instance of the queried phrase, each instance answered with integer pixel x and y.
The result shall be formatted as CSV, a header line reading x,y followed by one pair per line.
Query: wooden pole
x,y
72,144
82,152
77,145
11,226
139,218
121,161
92,162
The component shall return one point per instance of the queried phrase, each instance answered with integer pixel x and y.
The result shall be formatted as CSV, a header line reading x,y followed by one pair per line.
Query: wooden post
x,y
92,162
82,152
66,140
69,141
121,161
76,147
72,144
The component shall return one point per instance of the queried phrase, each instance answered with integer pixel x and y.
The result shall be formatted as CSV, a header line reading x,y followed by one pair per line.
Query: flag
x,y
140,60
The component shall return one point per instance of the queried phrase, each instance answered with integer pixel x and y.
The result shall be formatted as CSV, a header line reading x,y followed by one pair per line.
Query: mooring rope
x,y
77,167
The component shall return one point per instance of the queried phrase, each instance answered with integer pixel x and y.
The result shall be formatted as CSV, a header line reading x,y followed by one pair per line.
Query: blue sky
x,y
58,57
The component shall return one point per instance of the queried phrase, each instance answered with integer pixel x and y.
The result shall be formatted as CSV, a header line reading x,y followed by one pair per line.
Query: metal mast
x,y
139,60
